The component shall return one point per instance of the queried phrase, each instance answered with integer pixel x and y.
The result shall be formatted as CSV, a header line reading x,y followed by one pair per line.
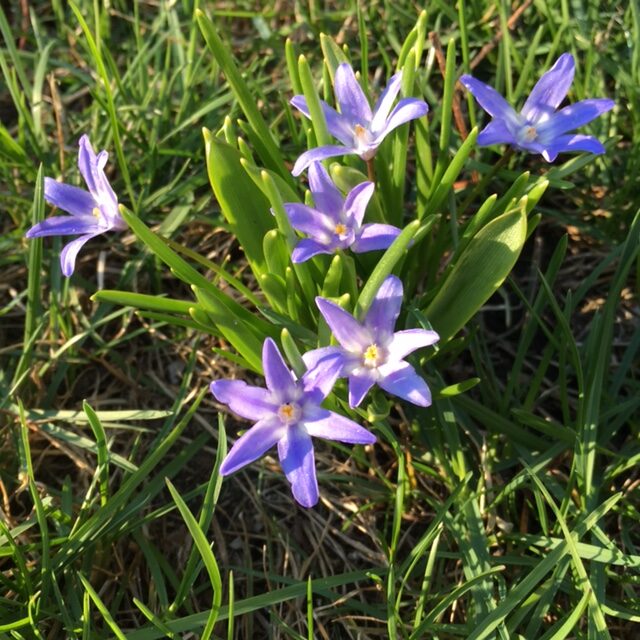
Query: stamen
x,y
371,356
289,412
96,213
340,229
360,131
530,134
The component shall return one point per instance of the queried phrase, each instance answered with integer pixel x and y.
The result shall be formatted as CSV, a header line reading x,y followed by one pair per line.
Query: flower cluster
x,y
366,351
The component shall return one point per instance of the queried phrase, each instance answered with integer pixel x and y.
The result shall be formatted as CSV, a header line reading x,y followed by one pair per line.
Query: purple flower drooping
x,y
287,413
371,352
360,130
92,212
336,223
539,127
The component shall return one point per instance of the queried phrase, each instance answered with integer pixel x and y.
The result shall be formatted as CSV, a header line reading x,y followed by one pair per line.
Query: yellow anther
x,y
340,229
360,131
96,213
288,412
371,355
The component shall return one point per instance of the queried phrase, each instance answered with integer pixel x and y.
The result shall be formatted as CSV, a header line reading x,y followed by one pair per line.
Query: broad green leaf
x,y
333,54
243,205
481,269
243,330
346,178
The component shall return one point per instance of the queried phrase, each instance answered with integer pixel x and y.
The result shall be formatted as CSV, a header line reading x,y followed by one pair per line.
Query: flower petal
x,y
405,342
310,221
374,236
324,367
569,143
407,109
279,378
385,308
347,330
333,426
308,248
70,252
252,403
65,226
296,457
490,100
349,95
550,90
73,200
400,379
326,195
355,204
496,132
252,444
92,170
573,116
337,125
386,99
317,154
358,389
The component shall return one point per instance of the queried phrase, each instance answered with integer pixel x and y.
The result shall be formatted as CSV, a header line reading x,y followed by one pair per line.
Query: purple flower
x,y
287,413
539,128
371,352
92,212
360,130
336,223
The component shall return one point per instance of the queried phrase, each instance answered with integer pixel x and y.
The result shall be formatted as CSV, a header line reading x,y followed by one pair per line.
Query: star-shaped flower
x,y
287,413
539,128
335,222
92,212
360,130
371,352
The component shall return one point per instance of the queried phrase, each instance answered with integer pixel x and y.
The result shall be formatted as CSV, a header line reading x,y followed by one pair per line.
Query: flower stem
x,y
371,170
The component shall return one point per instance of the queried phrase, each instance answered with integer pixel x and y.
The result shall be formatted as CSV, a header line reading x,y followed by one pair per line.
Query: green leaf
x,y
208,558
273,159
243,330
384,267
243,205
143,301
458,388
477,274
313,102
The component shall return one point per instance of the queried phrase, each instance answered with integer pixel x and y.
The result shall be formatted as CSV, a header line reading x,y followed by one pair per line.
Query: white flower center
x,y
372,356
362,140
289,412
530,134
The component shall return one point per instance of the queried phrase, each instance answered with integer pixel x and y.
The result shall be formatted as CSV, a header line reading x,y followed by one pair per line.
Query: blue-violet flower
x,y
335,222
539,128
371,352
360,130
92,212
287,413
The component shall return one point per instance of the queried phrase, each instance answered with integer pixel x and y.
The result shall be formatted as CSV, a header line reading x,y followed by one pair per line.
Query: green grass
x,y
509,509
